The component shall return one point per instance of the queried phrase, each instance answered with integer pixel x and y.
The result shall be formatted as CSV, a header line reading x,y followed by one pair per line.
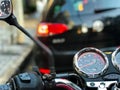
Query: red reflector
x,y
44,71
46,29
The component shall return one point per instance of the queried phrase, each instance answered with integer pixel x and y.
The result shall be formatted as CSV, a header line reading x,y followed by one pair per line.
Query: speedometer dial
x,y
116,58
90,62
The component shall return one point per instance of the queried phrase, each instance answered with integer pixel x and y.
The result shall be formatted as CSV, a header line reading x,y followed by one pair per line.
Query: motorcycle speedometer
x,y
90,62
116,58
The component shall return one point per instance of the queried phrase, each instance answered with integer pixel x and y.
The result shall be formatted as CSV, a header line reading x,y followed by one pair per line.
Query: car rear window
x,y
81,7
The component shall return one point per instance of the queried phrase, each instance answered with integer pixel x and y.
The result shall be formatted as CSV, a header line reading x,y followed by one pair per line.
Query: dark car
x,y
70,25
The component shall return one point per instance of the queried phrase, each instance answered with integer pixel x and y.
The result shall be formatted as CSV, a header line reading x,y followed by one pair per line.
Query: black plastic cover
x,y
29,81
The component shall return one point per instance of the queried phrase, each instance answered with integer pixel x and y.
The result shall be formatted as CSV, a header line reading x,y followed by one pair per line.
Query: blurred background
x,y
14,45
27,12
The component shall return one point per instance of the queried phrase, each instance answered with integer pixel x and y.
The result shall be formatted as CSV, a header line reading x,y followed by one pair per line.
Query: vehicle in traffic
x,y
70,25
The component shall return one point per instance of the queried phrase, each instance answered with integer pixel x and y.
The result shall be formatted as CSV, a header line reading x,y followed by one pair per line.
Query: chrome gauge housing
x,y
116,58
90,62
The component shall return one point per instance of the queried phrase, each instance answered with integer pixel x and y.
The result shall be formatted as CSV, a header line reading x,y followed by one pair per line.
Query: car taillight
x,y
44,71
47,29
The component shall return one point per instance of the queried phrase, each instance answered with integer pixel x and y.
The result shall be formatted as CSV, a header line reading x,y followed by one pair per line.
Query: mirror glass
x,y
5,8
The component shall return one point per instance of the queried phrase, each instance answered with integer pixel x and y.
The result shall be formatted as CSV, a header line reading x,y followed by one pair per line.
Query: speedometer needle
x,y
87,64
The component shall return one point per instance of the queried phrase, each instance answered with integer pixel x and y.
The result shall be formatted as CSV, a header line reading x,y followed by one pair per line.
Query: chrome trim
x,y
69,83
11,10
101,85
89,49
115,64
115,87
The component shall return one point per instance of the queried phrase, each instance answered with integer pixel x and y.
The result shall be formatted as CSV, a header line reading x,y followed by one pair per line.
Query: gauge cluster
x,y
92,63
116,59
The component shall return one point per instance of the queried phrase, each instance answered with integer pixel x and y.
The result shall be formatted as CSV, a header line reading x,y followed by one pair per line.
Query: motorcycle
x,y
94,69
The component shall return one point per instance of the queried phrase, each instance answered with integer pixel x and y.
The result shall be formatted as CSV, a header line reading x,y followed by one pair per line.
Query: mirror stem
x,y
13,21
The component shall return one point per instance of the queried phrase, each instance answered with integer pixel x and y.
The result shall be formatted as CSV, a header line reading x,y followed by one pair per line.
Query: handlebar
x,y
5,87
36,81
24,81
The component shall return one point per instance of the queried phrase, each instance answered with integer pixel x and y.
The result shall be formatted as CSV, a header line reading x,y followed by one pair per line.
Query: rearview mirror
x,y
5,8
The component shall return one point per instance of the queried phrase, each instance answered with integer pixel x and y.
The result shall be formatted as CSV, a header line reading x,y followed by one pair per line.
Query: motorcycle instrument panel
x,y
90,62
116,59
